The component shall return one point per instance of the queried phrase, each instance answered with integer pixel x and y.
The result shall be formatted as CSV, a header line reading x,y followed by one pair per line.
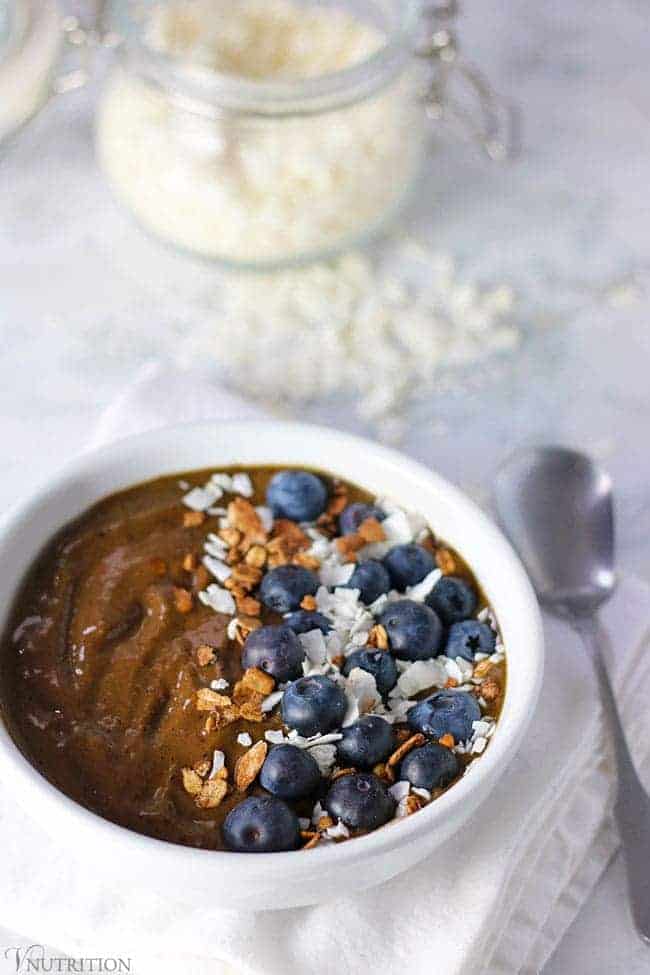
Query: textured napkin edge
x,y
547,913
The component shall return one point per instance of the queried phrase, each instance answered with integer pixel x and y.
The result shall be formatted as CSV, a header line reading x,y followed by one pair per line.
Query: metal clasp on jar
x,y
458,92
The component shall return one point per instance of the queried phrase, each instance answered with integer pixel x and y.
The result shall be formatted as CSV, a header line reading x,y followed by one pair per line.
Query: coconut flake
x,y
243,738
217,568
337,832
242,484
362,694
220,684
218,762
201,498
419,676
271,701
218,599
332,575
313,643
400,790
419,592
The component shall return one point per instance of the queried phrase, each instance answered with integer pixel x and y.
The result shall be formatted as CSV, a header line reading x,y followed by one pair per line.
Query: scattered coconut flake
x,y
218,599
317,813
218,762
332,574
215,546
478,746
217,568
418,676
419,592
242,484
324,756
400,790
265,516
232,629
313,643
337,832
362,694
271,701
220,684
243,738
422,793
274,737
201,498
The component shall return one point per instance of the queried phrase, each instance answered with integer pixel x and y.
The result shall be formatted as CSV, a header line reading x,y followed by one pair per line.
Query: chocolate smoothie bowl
x,y
259,658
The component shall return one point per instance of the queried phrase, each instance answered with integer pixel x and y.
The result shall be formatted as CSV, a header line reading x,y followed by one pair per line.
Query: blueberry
x,y
445,712
361,801
261,824
284,588
408,564
275,650
469,637
313,705
371,578
304,620
430,767
297,495
356,513
366,742
289,772
453,600
376,662
414,630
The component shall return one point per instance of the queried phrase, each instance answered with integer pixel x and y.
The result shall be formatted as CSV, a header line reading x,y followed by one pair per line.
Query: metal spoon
x,y
556,506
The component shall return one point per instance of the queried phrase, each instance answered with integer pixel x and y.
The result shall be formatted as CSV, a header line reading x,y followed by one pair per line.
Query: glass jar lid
x,y
395,20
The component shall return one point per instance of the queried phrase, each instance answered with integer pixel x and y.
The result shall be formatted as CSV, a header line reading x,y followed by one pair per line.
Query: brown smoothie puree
x,y
107,646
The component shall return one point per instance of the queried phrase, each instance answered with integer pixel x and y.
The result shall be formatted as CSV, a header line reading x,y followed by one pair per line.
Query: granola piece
x,y
308,603
205,655
306,561
413,742
256,556
314,840
370,530
293,537
447,740
246,576
490,690
248,606
225,716
325,822
189,562
412,803
251,711
378,637
159,567
209,700
245,625
212,794
201,579
482,668
451,682
341,772
258,681
221,774
349,545
183,600
193,519
249,765
192,781
230,536
202,767
447,562
243,516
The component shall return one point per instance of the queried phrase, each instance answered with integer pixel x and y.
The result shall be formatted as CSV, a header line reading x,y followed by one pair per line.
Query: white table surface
x,y
568,225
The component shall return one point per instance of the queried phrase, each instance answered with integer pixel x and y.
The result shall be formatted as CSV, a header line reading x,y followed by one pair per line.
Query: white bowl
x,y
276,880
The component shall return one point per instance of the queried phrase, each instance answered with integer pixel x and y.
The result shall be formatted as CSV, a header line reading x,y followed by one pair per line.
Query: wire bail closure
x,y
495,126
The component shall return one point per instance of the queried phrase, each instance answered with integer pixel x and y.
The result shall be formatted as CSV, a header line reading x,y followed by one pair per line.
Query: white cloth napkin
x,y
495,899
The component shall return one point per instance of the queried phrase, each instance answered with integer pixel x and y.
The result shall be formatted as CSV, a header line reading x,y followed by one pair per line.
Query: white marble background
x,y
568,225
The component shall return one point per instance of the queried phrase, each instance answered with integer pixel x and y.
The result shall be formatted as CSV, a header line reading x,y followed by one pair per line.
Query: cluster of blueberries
x,y
316,704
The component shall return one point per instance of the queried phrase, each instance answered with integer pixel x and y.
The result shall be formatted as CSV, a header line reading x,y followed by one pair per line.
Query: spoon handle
x,y
632,806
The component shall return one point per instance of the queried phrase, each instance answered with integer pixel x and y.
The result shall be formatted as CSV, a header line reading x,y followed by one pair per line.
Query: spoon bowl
x,y
557,507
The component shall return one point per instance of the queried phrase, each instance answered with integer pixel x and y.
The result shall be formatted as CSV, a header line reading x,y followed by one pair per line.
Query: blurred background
x,y
506,303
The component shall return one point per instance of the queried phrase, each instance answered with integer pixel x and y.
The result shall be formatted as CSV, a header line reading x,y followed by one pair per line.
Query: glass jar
x,y
263,172
30,40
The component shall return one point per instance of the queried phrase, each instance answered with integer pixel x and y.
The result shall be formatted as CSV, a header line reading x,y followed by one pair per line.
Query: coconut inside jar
x,y
261,131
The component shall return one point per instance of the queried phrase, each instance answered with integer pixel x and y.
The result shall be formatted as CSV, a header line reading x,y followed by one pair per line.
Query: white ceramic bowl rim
x,y
509,591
